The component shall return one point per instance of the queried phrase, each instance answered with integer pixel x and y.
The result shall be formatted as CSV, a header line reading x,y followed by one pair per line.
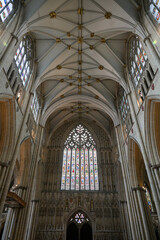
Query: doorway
x,y
79,227
72,232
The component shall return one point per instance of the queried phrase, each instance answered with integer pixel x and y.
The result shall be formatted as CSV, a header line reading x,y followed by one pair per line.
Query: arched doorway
x,y
72,232
86,232
79,227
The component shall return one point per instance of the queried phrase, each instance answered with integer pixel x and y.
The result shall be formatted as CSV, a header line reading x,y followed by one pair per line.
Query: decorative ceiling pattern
x,y
80,56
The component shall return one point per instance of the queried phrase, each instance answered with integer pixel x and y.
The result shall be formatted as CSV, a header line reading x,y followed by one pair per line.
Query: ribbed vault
x,y
80,56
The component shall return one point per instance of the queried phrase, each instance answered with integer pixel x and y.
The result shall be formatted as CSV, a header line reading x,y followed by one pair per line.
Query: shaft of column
x,y
13,159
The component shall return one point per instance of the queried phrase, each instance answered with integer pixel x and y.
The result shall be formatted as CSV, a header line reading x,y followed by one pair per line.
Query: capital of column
x,y
138,188
156,166
3,164
123,202
35,200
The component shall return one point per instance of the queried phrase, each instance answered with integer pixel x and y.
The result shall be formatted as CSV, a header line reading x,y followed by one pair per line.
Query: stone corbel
x,y
147,38
15,37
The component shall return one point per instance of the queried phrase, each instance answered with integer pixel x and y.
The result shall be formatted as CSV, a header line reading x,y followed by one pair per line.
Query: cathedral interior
x,y
80,120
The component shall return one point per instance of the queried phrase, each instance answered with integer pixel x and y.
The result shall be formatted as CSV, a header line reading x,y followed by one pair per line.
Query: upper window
x,y
79,168
124,107
24,59
137,59
35,107
154,8
6,7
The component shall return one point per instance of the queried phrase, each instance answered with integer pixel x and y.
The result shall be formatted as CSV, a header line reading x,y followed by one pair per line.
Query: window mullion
x,y
79,167
66,169
155,6
93,168
84,169
89,169
70,169
75,167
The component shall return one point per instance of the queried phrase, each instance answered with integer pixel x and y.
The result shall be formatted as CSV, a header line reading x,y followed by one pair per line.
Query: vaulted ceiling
x,y
80,56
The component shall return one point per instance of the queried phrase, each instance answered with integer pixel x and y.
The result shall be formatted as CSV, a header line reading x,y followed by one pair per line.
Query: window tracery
x,y
137,59
6,8
79,218
154,8
23,59
79,168
125,113
139,68
124,107
35,107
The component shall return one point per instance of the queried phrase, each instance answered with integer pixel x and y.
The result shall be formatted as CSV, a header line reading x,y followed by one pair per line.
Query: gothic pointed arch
x,y
7,126
80,167
139,174
152,127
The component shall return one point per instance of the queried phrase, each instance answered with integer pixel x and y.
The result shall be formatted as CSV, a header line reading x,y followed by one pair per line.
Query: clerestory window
x,y
137,59
35,107
154,8
6,8
80,168
124,107
24,59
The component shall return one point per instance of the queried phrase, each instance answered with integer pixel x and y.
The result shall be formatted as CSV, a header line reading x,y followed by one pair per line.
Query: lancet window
x,y
137,59
35,107
125,113
79,168
124,107
6,8
24,59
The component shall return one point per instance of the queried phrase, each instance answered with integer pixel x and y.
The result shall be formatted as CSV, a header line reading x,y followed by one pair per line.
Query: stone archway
x,y
72,232
79,227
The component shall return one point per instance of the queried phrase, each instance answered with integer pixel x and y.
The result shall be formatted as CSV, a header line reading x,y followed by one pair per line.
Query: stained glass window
x,y
137,59
23,59
80,167
35,107
154,8
6,7
79,218
124,106
148,198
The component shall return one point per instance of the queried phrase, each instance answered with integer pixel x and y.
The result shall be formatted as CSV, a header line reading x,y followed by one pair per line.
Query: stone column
x,y
126,178
156,173
14,155
144,154
31,231
148,233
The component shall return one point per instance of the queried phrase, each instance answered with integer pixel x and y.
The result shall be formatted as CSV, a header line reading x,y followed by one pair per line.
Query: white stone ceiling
x,y
80,56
